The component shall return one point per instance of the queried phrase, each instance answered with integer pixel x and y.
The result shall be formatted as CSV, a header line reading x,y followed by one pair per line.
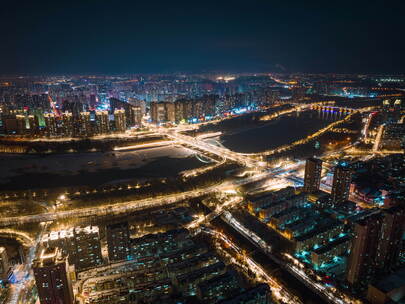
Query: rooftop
x,y
392,281
330,245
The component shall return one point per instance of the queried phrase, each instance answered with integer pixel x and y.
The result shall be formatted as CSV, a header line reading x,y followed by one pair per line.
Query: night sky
x,y
152,36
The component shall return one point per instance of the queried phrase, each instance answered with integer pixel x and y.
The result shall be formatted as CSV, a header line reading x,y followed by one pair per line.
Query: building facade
x,y
312,178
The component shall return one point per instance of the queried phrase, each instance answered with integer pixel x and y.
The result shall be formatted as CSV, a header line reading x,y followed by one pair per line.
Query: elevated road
x,y
112,209
136,205
199,144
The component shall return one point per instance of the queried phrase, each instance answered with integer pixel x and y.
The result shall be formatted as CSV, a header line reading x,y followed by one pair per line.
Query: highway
x,y
110,209
136,205
247,161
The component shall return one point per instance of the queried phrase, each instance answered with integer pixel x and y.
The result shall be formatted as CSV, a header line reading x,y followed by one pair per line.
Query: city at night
x,y
202,152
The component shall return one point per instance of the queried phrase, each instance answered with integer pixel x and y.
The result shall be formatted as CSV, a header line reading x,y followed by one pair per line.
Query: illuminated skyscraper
x,y
170,112
67,124
22,124
133,111
87,247
84,124
93,101
51,127
33,124
162,112
342,179
390,240
102,122
313,170
179,111
157,112
119,121
137,113
361,263
118,241
139,109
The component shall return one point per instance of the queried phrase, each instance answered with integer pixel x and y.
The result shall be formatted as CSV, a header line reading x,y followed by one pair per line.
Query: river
x,y
272,134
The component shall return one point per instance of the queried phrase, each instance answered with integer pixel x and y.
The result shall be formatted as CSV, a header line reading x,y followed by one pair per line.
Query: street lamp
x,y
62,197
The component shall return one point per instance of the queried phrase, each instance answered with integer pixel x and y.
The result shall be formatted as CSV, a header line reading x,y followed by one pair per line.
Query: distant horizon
x,y
81,37
112,74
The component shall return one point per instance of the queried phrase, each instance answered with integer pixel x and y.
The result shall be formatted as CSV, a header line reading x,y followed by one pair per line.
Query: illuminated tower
x,y
87,251
312,178
120,121
342,179
158,112
22,124
136,113
84,124
67,124
390,240
50,124
33,124
118,241
102,122
179,111
361,263
170,112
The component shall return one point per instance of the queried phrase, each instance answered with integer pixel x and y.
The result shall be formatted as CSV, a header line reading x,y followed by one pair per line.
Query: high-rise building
x,y
137,114
4,264
313,170
92,101
87,247
51,128
179,111
390,240
157,112
67,124
393,136
162,112
170,112
33,124
133,112
342,179
139,107
75,107
80,245
22,124
188,110
198,108
119,121
118,241
84,125
363,252
52,279
102,124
